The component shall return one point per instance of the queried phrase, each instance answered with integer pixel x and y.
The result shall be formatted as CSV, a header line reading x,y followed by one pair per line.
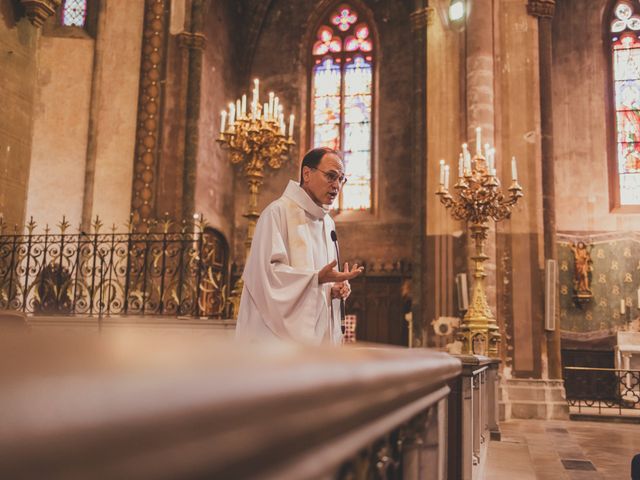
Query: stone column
x,y
149,108
419,19
92,134
543,10
194,40
481,113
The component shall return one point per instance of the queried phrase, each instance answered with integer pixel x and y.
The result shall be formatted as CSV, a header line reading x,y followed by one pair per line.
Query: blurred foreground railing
x,y
473,421
176,269
603,391
135,407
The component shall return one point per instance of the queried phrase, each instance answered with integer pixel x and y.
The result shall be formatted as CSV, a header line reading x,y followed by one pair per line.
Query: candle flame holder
x,y
255,140
478,198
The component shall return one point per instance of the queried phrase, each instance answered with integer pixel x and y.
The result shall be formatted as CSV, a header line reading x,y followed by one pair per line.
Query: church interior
x,y
492,158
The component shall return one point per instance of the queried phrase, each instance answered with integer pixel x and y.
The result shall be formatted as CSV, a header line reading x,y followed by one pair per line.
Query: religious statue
x,y
583,266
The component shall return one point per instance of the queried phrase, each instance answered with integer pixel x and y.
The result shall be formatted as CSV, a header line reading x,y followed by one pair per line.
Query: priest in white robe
x,y
292,289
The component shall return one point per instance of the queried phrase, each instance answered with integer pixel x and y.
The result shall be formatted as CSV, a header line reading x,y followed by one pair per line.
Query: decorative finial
x,y
63,225
97,224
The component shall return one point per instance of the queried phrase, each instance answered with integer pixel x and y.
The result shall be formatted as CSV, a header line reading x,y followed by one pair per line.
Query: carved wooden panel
x,y
380,308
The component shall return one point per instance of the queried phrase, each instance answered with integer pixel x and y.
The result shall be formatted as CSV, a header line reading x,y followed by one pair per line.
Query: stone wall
x,y
119,44
520,239
18,40
84,120
214,179
221,84
445,126
281,61
61,123
580,133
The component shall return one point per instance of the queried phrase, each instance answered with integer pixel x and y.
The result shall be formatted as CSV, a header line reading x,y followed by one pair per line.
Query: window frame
x,y
53,26
615,205
364,16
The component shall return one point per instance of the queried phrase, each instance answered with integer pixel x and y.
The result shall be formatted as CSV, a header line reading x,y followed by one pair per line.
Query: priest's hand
x,y
328,274
341,290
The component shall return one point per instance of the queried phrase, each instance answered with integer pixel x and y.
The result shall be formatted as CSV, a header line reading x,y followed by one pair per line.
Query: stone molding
x,y
196,41
38,11
541,8
148,125
422,18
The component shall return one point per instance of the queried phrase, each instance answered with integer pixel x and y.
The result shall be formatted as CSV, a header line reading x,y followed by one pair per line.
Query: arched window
x,y
342,99
74,13
624,31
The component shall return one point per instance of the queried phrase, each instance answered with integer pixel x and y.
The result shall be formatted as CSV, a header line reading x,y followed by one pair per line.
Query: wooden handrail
x,y
130,406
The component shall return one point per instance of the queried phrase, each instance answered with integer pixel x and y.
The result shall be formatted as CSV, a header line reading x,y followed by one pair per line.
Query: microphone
x,y
334,237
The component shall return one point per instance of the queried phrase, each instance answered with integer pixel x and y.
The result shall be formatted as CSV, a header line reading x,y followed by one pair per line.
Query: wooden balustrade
x,y
473,418
129,406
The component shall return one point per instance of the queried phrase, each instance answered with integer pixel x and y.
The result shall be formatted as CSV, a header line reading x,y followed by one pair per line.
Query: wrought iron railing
x,y
603,390
169,268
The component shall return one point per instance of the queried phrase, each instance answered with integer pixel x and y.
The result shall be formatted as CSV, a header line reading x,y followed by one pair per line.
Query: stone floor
x,y
553,450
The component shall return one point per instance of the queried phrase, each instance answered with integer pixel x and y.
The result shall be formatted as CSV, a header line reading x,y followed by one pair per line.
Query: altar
x,y
627,357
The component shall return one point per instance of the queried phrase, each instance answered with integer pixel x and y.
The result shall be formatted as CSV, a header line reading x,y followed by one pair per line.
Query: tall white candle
x,y
276,107
467,157
256,87
244,104
622,307
238,109
265,111
478,142
487,149
514,169
446,177
460,166
232,114
492,160
270,114
223,123
441,172
291,119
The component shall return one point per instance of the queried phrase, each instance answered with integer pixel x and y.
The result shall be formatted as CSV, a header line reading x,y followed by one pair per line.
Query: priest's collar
x,y
296,193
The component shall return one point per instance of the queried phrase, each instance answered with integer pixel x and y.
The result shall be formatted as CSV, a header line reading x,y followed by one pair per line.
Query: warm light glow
x,y
456,10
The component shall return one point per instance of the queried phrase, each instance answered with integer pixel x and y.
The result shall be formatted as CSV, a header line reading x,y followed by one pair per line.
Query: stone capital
x,y
422,18
39,10
190,40
541,8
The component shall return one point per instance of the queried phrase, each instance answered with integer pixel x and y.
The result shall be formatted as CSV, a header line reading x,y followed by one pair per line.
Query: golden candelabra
x,y
477,199
255,139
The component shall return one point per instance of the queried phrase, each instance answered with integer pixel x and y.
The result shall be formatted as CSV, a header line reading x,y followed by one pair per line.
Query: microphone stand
x,y
334,237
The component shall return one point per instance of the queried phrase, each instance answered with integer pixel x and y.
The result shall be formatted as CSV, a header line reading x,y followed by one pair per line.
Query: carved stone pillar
x,y
39,10
194,41
480,100
419,21
544,10
149,110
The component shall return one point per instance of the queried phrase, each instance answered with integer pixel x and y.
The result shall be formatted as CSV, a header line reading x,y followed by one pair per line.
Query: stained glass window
x,y
74,13
342,84
625,49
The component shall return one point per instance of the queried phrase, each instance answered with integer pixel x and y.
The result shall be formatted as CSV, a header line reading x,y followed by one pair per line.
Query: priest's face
x,y
324,182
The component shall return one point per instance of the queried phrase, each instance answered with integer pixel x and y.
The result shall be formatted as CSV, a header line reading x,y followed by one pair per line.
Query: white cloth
x,y
282,298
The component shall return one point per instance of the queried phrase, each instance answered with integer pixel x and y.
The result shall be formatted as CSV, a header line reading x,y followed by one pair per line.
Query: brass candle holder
x,y
256,139
478,198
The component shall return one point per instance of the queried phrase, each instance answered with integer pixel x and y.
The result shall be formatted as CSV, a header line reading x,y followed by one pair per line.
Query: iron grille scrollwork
x,y
602,390
170,268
